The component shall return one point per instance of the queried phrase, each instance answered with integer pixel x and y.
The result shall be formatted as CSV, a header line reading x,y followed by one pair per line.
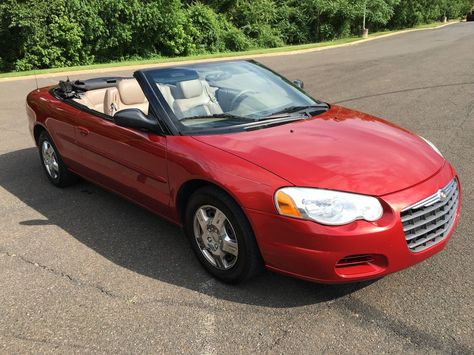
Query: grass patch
x,y
251,52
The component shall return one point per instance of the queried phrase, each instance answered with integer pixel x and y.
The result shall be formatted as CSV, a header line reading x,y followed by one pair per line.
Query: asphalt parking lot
x,y
82,270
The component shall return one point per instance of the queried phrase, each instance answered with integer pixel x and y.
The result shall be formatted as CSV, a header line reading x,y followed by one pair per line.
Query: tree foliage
x,y
56,33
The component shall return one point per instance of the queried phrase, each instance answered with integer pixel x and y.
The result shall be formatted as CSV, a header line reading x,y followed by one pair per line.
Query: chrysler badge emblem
x,y
442,195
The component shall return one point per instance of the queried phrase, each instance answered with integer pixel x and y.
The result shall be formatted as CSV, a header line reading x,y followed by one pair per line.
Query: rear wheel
x,y
221,236
56,171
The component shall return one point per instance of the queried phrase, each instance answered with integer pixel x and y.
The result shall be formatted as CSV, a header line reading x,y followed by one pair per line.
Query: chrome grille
x,y
429,221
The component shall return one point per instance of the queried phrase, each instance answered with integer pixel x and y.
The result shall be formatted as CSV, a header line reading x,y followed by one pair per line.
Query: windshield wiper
x,y
292,109
271,122
217,115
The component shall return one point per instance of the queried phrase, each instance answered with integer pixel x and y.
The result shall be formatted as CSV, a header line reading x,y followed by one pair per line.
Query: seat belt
x,y
113,108
211,94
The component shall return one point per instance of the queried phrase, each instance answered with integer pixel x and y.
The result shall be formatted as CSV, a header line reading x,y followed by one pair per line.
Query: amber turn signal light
x,y
286,206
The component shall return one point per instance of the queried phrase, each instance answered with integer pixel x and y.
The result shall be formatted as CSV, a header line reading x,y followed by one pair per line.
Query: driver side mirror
x,y
134,118
299,83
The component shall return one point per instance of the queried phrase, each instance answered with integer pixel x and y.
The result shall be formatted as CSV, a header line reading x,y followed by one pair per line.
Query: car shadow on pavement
x,y
136,239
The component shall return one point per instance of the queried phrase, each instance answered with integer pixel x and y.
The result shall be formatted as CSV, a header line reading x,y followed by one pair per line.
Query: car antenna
x,y
36,80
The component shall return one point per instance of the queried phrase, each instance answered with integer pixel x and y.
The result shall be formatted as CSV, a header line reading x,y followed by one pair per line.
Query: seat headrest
x,y
190,88
130,92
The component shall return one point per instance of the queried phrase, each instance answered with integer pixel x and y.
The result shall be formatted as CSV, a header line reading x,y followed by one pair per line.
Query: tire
x,y
53,165
228,234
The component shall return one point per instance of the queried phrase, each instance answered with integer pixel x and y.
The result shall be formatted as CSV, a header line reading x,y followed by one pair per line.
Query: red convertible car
x,y
257,172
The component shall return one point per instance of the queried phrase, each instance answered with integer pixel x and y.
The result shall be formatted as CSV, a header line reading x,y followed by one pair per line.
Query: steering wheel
x,y
239,98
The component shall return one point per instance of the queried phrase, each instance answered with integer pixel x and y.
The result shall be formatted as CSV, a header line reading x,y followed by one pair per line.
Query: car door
x,y
129,161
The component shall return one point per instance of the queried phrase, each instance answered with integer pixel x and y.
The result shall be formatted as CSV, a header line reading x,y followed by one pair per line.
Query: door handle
x,y
83,131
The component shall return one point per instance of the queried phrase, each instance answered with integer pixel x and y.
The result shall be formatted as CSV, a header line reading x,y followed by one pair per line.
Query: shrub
x,y
235,40
39,34
206,28
55,33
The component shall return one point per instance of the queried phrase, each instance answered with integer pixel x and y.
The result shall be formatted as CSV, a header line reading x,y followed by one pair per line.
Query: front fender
x,y
251,186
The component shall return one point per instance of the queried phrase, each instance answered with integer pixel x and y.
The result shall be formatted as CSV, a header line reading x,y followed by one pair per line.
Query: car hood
x,y
341,149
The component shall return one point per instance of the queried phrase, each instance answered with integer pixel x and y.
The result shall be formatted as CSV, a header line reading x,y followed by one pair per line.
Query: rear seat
x,y
127,94
93,99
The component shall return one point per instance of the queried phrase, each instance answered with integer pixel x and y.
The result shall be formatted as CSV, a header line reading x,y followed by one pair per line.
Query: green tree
x,y
54,33
257,20
39,34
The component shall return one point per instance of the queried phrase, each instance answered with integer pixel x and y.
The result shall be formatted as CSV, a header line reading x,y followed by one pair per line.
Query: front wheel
x,y
221,236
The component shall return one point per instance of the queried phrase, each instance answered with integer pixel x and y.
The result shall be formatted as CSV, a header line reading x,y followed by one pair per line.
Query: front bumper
x,y
354,252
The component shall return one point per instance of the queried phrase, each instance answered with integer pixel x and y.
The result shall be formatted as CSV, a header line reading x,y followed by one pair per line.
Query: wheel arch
x,y
37,130
189,187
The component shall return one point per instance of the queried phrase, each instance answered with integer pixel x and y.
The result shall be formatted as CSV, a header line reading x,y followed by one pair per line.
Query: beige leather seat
x,y
166,92
194,98
127,94
93,99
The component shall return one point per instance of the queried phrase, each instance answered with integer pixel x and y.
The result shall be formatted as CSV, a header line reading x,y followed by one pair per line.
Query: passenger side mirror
x,y
299,83
134,118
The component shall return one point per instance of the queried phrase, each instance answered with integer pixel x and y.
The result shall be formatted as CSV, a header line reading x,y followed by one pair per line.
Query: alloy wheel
x,y
215,237
50,160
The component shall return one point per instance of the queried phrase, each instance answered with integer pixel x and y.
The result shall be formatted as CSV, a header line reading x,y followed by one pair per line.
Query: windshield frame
x,y
181,129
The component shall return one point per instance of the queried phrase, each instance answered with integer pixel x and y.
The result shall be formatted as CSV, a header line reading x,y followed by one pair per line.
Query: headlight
x,y
326,206
432,145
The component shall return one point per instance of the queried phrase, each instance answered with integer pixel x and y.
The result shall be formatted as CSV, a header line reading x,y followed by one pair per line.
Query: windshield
x,y
230,95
